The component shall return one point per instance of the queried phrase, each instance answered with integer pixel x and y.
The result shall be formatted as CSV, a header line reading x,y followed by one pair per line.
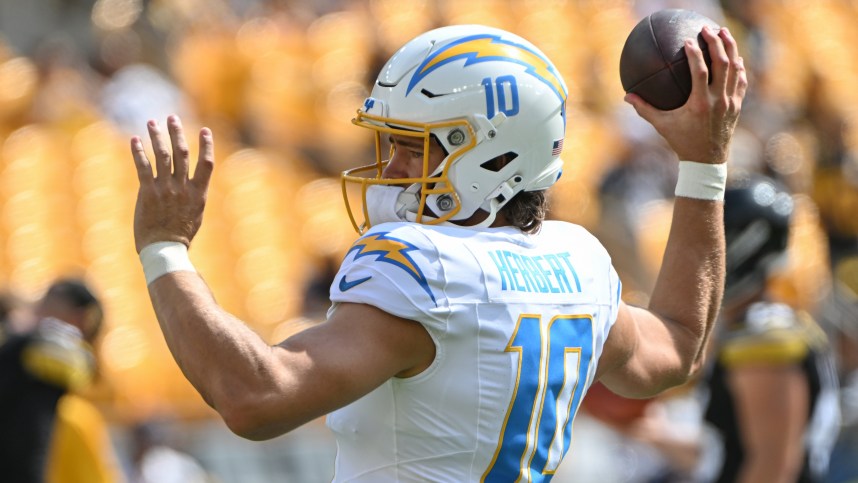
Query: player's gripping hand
x,y
701,129
170,204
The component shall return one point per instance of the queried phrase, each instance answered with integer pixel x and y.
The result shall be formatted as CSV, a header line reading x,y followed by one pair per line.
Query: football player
x,y
464,329
38,369
773,388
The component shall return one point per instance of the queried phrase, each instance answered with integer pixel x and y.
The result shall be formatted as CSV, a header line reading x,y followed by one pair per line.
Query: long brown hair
x,y
526,210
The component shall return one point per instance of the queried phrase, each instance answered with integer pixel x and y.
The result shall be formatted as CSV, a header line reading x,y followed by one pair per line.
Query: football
x,y
653,64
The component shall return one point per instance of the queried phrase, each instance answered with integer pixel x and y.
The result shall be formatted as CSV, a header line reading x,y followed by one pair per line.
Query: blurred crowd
x,y
278,81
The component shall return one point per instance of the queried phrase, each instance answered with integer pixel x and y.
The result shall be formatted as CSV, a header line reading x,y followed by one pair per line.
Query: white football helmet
x,y
481,93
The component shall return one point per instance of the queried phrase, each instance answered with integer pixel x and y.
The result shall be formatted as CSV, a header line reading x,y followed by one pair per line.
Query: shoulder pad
x,y
769,334
58,355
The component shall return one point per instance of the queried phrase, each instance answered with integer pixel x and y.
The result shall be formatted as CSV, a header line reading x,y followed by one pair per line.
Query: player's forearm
x,y
224,360
691,281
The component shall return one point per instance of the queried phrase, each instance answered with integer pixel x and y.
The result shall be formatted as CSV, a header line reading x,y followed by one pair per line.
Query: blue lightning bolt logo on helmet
x,y
486,48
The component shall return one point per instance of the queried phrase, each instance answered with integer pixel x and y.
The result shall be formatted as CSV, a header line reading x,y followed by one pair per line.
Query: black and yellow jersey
x,y
36,369
772,334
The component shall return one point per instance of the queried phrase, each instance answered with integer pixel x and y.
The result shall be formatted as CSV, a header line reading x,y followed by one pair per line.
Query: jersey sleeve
x,y
397,270
615,286
610,295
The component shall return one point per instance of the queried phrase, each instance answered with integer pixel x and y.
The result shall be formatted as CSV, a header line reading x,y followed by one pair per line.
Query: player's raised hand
x,y
701,129
170,204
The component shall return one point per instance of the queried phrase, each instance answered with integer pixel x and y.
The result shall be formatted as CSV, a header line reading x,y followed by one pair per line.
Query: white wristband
x,y
161,258
701,181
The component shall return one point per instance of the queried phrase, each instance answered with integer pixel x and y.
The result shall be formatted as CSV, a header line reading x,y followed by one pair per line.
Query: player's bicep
x,y
640,358
337,362
360,343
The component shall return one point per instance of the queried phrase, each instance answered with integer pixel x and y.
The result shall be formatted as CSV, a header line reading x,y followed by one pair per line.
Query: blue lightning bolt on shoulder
x,y
393,251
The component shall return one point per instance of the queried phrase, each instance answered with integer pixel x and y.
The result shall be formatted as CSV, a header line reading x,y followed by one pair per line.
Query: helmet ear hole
x,y
497,163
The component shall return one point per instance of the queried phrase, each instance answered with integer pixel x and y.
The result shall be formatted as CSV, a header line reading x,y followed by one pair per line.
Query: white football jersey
x,y
518,321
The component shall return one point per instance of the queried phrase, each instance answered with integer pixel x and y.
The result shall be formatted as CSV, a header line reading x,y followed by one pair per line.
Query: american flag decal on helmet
x,y
557,147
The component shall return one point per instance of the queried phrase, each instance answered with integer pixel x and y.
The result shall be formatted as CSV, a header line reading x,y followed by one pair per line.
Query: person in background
x,y
39,367
769,396
773,393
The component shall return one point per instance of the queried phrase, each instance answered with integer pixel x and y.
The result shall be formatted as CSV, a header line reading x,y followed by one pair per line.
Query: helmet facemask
x,y
413,199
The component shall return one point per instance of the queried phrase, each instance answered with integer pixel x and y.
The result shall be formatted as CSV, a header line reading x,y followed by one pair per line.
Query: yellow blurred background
x,y
278,83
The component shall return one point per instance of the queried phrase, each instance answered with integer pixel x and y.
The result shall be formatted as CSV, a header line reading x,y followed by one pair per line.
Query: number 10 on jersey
x,y
553,362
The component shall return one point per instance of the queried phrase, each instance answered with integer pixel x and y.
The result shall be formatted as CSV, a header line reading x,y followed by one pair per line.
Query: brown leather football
x,y
653,64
